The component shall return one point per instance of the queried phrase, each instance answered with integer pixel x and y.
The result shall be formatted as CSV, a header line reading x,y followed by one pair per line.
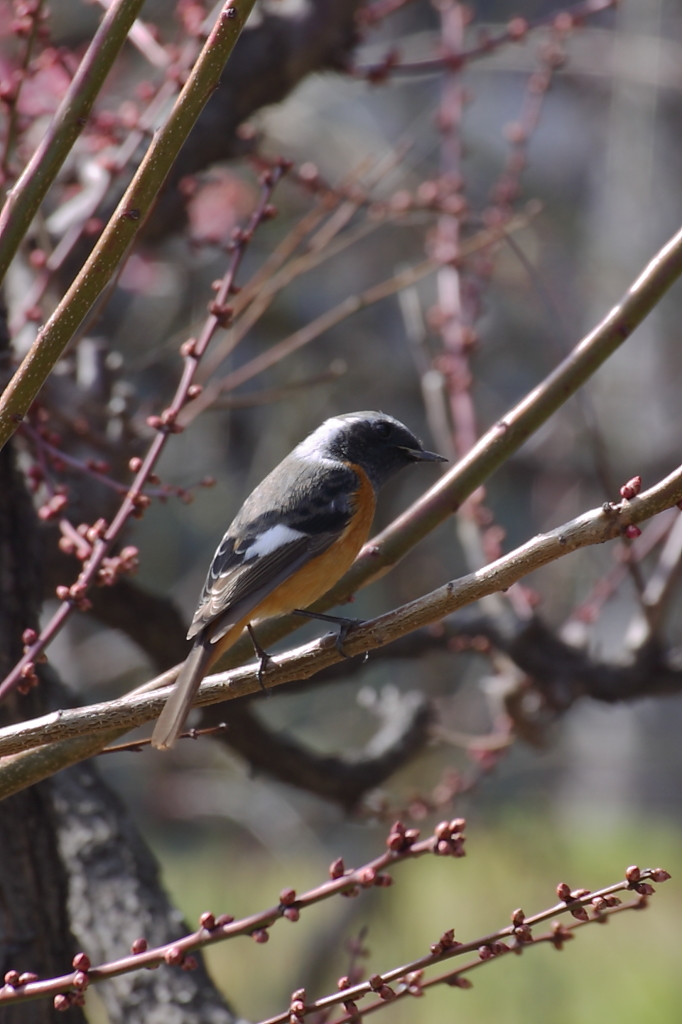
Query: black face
x,y
380,444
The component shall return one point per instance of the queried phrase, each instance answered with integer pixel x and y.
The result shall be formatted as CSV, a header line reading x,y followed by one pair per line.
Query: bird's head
x,y
378,443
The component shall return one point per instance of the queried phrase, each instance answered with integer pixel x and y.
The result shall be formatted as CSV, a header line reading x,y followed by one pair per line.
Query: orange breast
x,y
320,574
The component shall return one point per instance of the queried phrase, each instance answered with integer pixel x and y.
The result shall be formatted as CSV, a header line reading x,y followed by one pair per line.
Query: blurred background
x,y
582,121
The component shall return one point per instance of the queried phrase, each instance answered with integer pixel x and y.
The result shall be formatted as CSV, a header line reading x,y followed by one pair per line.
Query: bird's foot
x,y
263,656
344,623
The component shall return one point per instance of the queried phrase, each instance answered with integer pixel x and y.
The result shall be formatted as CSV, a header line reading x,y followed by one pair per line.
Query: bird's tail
x,y
175,710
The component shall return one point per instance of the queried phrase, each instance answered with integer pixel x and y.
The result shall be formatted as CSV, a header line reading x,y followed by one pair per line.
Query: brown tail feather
x,y
176,708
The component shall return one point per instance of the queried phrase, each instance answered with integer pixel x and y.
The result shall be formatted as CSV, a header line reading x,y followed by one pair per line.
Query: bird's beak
x,y
421,456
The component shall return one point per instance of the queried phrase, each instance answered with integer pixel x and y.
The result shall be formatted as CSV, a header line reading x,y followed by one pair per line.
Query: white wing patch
x,y
276,537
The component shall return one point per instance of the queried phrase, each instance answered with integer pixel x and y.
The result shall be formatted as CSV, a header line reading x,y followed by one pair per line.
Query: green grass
x,y
627,971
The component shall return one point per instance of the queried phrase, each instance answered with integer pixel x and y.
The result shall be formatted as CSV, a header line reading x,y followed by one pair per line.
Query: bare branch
x,y
25,198
488,946
126,221
402,845
503,439
102,536
70,735
516,31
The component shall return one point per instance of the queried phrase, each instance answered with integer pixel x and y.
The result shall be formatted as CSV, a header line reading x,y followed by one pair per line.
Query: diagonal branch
x,y
507,436
155,624
339,779
69,736
25,198
496,446
126,221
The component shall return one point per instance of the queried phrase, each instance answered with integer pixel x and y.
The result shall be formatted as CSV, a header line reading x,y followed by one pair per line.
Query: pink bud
x,y
337,868
644,889
631,489
459,982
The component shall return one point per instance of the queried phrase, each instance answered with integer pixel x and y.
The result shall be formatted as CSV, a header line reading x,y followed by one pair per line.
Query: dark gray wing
x,y
293,516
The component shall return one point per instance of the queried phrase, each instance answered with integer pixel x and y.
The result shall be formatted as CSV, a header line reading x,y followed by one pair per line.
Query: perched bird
x,y
295,535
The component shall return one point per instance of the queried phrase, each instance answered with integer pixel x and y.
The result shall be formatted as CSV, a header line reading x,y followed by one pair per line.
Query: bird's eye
x,y
382,428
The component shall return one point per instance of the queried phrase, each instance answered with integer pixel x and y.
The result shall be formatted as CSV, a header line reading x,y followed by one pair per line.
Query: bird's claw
x,y
264,659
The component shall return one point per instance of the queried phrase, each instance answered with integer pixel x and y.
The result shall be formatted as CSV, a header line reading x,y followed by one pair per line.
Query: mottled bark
x,y
34,926
115,896
74,872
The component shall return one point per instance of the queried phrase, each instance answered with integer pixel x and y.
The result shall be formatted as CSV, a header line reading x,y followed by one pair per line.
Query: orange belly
x,y
319,575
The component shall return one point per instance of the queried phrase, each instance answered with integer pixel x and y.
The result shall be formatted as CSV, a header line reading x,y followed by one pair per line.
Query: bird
x,y
296,534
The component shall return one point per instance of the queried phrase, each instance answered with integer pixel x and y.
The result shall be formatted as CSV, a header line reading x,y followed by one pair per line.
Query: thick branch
x,y
116,896
564,674
155,624
70,735
341,780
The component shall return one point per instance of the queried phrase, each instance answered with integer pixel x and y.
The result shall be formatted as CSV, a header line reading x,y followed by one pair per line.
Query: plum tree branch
x,y
125,223
497,445
24,199
68,736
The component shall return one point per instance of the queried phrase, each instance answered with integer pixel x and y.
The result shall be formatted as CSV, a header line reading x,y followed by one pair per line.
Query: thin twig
x,y
259,293
122,229
25,198
516,31
402,845
447,948
334,316
166,425
11,131
414,985
135,746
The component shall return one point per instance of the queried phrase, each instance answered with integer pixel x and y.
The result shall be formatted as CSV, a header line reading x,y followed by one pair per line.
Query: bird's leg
x,y
343,622
264,658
